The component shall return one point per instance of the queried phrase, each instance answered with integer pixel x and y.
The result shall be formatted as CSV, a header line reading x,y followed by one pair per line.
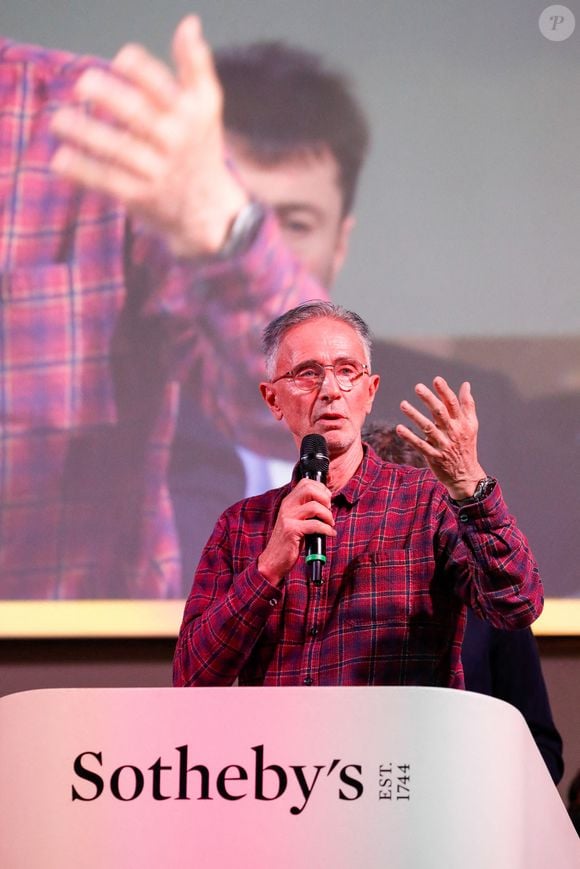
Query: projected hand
x,y
153,139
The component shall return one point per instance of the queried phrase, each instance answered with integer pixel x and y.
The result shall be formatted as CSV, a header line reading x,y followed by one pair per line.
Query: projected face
x,y
305,195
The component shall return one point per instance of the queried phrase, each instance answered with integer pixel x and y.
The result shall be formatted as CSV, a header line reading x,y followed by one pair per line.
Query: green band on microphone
x,y
316,556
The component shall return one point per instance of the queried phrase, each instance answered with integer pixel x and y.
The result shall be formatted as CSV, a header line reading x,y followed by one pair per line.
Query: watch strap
x,y
243,230
484,488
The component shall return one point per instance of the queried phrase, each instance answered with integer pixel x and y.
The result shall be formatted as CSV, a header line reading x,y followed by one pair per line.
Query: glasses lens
x,y
346,373
311,376
308,377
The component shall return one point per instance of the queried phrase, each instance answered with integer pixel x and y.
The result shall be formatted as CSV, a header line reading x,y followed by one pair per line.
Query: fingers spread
x,y
112,180
448,397
96,139
147,74
466,398
429,450
126,105
429,429
154,140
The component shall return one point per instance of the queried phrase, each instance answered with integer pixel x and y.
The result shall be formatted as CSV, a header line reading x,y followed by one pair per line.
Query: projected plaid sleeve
x,y
402,567
97,324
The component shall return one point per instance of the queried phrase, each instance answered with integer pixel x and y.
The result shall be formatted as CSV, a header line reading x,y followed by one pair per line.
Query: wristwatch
x,y
244,230
482,490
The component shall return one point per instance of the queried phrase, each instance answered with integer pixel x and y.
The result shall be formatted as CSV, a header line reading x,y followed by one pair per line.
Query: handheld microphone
x,y
314,466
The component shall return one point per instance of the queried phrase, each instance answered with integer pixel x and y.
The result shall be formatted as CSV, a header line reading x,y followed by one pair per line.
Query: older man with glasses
x,y
407,549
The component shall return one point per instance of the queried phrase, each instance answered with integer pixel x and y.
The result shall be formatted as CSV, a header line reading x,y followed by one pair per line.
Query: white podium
x,y
288,778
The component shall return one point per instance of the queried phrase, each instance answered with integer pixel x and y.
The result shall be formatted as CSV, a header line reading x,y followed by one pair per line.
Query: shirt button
x,y
273,601
308,680
463,517
313,632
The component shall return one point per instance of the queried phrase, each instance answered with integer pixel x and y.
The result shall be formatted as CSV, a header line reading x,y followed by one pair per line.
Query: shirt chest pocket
x,y
57,327
388,588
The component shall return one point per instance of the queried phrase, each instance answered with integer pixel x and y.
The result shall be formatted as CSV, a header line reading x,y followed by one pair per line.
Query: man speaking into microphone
x,y
406,549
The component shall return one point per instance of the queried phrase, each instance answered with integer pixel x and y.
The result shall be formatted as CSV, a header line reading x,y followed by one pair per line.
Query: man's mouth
x,y
329,417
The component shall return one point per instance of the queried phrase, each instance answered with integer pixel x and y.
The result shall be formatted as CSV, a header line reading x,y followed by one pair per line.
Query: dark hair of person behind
x,y
282,101
390,446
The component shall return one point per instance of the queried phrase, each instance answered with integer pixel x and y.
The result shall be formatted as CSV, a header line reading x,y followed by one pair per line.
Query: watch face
x,y
483,489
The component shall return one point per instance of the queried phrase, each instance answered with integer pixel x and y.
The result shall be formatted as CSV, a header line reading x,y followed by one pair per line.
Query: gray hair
x,y
316,309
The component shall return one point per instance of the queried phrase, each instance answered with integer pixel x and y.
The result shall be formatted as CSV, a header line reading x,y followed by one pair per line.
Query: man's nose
x,y
329,386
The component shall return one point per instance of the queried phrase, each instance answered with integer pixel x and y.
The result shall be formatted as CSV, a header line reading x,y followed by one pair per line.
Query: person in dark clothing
x,y
574,801
506,665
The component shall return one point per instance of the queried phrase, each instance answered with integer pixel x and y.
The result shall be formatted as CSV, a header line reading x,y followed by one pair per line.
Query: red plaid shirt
x,y
391,611
97,323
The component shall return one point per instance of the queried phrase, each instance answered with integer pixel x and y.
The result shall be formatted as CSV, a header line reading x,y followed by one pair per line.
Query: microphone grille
x,y
314,454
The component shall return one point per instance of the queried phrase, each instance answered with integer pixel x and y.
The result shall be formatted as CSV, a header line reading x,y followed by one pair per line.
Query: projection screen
x,y
463,259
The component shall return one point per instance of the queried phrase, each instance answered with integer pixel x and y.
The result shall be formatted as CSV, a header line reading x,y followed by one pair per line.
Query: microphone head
x,y
314,457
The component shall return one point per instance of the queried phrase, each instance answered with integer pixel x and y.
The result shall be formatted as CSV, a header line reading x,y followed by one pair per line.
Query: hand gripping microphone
x,y
314,466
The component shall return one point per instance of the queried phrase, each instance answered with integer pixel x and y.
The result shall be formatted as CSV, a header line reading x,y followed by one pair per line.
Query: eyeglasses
x,y
310,375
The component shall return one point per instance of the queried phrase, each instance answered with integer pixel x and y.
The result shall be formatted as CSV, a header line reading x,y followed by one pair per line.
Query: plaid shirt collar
x,y
364,476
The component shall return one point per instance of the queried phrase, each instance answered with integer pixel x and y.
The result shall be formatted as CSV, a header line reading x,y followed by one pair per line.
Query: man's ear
x,y
373,385
342,243
270,396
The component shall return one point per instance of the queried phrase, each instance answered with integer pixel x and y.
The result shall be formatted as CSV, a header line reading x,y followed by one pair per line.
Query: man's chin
x,y
337,439
332,431
337,432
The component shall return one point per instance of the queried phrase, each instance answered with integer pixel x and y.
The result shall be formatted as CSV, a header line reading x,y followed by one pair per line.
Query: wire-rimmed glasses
x,y
310,375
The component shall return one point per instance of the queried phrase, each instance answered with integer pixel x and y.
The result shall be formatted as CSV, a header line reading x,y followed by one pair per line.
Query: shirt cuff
x,y
256,594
